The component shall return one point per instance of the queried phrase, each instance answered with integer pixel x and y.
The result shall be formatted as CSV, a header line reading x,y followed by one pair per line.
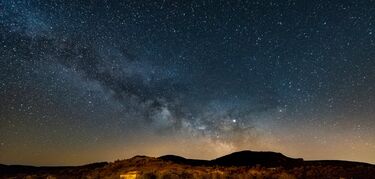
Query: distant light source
x,y
130,175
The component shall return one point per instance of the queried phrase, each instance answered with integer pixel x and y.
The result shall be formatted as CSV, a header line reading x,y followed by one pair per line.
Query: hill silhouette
x,y
235,165
242,158
251,158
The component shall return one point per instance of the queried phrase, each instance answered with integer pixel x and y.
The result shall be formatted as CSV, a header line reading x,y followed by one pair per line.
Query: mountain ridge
x,y
242,163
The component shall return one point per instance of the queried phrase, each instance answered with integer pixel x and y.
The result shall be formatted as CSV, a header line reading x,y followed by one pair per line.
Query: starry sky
x,y
100,80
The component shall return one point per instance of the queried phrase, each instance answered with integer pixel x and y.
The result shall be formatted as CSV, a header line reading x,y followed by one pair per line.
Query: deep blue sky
x,y
83,81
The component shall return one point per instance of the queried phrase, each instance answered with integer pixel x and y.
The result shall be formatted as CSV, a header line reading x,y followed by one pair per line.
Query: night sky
x,y
89,81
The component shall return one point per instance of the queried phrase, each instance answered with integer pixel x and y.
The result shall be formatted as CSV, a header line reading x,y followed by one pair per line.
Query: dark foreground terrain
x,y
244,164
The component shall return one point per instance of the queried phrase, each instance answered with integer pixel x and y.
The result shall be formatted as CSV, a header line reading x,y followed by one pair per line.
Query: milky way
x,y
102,80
